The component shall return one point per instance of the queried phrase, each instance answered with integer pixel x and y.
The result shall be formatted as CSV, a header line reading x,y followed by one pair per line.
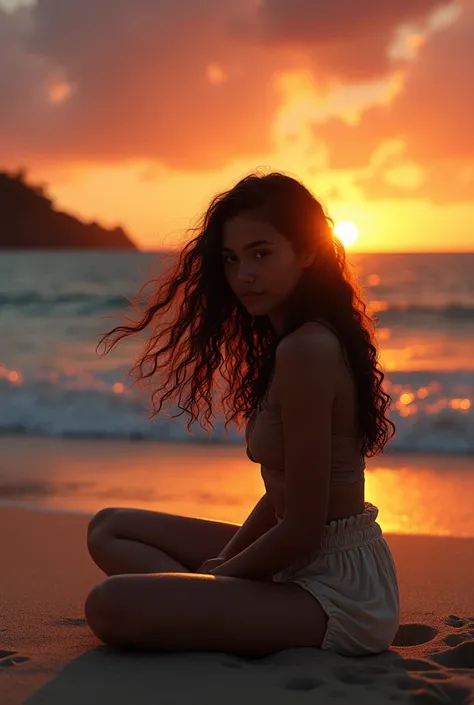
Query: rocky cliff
x,y
28,220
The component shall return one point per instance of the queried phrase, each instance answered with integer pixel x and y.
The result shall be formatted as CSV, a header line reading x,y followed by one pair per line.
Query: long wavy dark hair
x,y
203,338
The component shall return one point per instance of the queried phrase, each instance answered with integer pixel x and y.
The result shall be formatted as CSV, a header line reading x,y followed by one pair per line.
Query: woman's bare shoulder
x,y
314,336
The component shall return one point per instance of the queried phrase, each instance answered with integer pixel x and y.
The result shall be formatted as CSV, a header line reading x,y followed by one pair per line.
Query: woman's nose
x,y
245,273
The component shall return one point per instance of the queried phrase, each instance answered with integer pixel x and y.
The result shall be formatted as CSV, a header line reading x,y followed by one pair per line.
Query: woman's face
x,y
260,265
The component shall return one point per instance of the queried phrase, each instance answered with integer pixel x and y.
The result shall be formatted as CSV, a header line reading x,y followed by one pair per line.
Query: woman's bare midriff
x,y
344,500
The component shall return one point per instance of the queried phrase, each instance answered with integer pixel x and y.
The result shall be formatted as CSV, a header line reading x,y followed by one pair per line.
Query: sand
x,y
48,656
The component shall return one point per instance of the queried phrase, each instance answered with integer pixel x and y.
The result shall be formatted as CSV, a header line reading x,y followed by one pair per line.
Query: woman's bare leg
x,y
142,541
193,612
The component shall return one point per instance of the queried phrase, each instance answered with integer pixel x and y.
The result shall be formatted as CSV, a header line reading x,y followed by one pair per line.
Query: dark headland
x,y
28,220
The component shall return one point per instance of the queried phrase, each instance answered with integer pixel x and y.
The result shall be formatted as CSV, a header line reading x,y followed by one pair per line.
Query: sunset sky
x,y
137,113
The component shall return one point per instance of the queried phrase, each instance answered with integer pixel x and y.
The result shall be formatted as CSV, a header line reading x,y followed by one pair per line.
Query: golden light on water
x,y
347,232
416,493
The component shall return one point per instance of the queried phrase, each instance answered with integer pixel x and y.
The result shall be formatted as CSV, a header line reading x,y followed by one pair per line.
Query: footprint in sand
x,y
453,620
11,658
461,656
74,622
366,675
376,670
302,683
360,677
414,664
455,639
414,634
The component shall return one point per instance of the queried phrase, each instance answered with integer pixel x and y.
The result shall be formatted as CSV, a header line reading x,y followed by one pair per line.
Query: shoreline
x,y
416,494
64,511
202,442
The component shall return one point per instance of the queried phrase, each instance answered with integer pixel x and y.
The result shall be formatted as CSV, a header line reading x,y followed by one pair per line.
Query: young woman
x,y
263,296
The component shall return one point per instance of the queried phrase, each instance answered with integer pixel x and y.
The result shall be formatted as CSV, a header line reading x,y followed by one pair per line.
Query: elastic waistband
x,y
351,531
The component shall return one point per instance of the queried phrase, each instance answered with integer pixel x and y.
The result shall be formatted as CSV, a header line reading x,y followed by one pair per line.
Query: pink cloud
x,y
174,81
140,82
345,39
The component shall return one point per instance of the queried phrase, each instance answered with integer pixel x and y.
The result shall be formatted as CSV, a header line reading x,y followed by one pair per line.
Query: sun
x,y
347,232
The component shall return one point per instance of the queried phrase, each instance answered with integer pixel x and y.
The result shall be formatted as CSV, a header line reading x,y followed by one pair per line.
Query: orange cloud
x,y
184,83
351,146
430,118
442,183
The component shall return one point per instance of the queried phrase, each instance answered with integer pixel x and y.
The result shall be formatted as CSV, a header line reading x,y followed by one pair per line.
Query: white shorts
x,y
353,577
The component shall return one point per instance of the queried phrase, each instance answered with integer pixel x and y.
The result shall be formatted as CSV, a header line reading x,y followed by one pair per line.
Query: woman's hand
x,y
208,565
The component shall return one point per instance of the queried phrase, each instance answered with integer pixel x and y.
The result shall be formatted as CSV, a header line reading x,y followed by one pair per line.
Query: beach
x,y
49,656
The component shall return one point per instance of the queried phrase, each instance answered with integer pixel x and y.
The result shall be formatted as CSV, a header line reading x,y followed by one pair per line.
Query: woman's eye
x,y
229,259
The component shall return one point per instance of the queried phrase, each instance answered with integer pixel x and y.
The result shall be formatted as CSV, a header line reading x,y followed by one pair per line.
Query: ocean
x,y
54,307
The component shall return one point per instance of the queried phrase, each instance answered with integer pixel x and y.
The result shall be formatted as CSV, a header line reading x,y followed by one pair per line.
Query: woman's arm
x,y
259,521
307,371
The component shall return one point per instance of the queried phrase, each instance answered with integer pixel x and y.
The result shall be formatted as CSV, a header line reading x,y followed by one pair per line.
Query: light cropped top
x,y
265,445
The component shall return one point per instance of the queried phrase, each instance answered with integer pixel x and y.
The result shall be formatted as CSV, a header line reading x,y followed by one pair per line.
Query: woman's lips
x,y
251,298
